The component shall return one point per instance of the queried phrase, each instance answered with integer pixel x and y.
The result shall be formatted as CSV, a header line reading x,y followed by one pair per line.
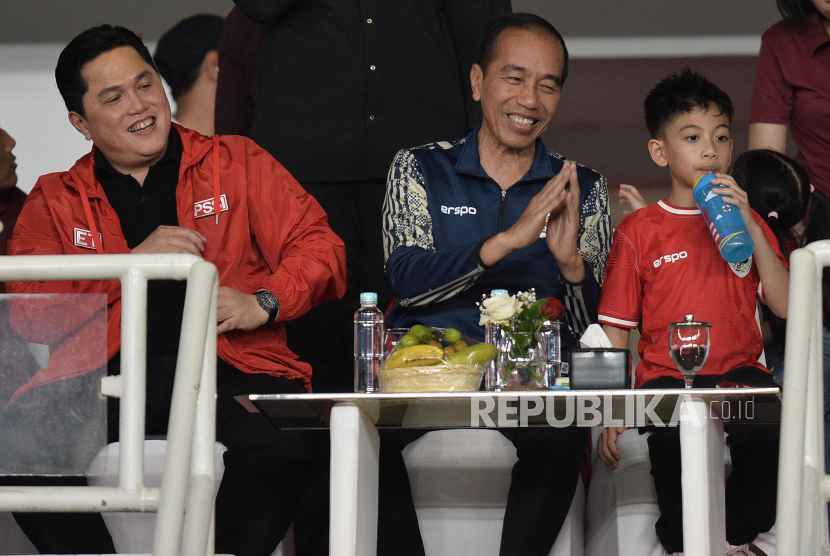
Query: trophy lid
x,y
690,322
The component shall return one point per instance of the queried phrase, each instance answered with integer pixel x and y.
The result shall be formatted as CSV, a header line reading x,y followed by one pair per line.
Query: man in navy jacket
x,y
497,209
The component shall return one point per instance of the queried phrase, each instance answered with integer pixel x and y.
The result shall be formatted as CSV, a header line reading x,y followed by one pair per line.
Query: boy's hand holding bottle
x,y
714,194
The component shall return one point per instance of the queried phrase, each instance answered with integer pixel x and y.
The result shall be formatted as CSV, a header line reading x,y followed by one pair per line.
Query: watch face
x,y
267,301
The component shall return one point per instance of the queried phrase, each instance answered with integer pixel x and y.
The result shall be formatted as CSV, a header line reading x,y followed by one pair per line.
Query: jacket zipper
x,y
501,210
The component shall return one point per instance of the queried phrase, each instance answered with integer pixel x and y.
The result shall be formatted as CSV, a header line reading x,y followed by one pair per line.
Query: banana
x,y
478,354
414,355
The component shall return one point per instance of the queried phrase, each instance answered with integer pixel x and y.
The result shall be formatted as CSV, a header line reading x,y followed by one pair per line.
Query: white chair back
x,y
803,487
187,485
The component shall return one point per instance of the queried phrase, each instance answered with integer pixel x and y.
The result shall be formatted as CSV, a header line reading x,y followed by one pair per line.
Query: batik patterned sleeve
x,y
594,244
419,273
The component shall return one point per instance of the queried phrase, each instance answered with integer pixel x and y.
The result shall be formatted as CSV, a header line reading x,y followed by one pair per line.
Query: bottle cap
x,y
498,292
368,297
703,181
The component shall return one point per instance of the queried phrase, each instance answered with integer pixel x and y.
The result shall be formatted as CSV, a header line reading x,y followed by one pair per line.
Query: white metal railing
x,y
188,473
803,487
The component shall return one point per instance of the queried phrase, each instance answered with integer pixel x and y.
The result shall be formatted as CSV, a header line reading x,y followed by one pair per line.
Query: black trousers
x,y
542,488
324,336
266,469
752,485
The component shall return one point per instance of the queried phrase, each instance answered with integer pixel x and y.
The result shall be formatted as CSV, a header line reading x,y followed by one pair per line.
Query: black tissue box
x,y
600,369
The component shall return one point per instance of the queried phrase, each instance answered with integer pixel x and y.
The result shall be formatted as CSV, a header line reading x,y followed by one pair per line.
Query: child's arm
x,y
618,336
774,276
629,195
607,442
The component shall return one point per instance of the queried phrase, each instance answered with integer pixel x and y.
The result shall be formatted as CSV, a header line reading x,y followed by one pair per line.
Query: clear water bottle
x,y
724,220
368,343
496,336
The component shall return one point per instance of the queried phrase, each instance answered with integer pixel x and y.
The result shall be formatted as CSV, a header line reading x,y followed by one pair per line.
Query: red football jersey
x,y
665,264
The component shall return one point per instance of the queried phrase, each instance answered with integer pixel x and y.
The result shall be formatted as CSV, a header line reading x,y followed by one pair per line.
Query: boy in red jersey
x,y
664,264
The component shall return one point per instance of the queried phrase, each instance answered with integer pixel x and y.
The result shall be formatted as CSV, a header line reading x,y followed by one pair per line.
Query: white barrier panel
x,y
188,475
53,354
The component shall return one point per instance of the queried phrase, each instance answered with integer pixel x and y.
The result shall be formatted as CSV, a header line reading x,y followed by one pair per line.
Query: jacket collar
x,y
470,162
194,149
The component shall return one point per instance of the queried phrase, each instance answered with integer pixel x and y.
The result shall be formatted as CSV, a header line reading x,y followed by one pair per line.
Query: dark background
x,y
599,122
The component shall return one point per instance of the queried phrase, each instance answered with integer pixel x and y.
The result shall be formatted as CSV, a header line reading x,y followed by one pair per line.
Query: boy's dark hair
x,y
83,49
796,11
529,22
680,94
182,49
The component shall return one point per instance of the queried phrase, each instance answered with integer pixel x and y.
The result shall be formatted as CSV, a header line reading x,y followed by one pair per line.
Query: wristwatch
x,y
270,303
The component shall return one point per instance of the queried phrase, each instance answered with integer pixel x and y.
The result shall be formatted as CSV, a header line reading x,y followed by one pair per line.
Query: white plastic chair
x,y
803,487
188,477
460,480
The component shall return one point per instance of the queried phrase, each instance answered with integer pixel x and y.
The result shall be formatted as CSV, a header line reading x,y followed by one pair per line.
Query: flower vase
x,y
521,365
526,360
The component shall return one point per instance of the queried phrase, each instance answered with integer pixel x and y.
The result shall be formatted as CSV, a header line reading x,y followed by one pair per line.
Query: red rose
x,y
552,309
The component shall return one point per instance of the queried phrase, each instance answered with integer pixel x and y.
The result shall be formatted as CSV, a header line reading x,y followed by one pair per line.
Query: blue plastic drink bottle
x,y
724,220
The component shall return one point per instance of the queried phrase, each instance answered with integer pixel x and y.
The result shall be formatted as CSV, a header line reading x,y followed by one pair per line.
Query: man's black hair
x,y
83,49
796,11
529,22
680,94
182,49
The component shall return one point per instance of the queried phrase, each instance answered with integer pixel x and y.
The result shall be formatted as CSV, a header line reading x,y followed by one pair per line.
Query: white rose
x,y
499,309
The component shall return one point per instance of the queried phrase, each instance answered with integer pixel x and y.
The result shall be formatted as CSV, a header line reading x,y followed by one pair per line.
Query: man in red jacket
x,y
149,186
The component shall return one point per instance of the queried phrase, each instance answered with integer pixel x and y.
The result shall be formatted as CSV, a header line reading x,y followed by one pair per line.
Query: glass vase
x,y
521,366
526,360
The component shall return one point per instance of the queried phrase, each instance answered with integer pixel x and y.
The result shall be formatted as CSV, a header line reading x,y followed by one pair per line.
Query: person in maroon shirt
x,y
792,87
236,89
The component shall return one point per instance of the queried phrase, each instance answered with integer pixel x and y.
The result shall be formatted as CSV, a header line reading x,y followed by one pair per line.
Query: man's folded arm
x,y
418,272
421,277
307,259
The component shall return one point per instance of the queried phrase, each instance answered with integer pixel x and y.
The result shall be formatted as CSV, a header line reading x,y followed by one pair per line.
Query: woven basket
x,y
433,378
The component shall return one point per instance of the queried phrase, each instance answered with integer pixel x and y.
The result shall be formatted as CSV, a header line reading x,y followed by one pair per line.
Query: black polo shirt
x,y
141,210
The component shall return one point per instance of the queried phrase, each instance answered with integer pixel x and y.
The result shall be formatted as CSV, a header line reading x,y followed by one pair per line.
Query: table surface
x,y
521,408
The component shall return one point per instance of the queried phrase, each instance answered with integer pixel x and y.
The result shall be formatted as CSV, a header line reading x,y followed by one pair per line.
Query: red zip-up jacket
x,y
270,233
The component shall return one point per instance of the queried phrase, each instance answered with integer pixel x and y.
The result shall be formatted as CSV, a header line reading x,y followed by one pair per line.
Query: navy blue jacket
x,y
439,209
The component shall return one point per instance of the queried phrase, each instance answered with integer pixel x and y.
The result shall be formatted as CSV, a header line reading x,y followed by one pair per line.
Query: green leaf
x,y
533,311
525,326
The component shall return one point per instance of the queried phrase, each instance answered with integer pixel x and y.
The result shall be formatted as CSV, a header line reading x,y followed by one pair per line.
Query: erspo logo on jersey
x,y
674,257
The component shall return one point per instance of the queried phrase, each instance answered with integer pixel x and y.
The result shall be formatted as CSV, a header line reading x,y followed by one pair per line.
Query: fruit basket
x,y
433,378
433,360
